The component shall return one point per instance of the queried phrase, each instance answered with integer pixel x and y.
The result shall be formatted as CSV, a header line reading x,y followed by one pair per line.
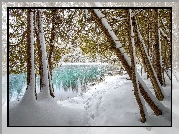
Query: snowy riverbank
x,y
90,108
110,103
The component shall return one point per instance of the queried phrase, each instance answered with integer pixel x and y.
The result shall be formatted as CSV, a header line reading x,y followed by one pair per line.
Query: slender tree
x,y
50,60
156,51
28,47
133,68
45,72
30,90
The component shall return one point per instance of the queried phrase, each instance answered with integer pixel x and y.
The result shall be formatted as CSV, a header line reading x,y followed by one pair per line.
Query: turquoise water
x,y
67,76
16,83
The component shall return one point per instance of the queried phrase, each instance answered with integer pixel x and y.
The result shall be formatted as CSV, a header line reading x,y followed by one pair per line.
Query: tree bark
x,y
156,51
50,60
54,12
39,51
133,67
28,47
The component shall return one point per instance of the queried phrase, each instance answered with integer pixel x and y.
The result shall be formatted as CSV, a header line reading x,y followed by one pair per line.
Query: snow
x,y
45,82
165,35
112,102
29,94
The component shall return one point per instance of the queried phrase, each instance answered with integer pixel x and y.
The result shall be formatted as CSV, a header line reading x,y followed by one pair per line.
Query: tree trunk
x,y
28,47
156,52
133,67
50,60
45,81
30,91
39,51
164,60
41,61
54,12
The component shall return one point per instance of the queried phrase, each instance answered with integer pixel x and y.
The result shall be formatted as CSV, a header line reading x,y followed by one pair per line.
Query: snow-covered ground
x,y
110,103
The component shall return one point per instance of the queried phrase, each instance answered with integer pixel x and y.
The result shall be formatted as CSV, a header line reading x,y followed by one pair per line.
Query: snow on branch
x,y
112,34
156,101
167,30
32,81
168,39
118,18
98,4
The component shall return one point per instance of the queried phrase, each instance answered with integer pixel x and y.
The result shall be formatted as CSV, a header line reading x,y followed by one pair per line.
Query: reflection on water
x,y
68,81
